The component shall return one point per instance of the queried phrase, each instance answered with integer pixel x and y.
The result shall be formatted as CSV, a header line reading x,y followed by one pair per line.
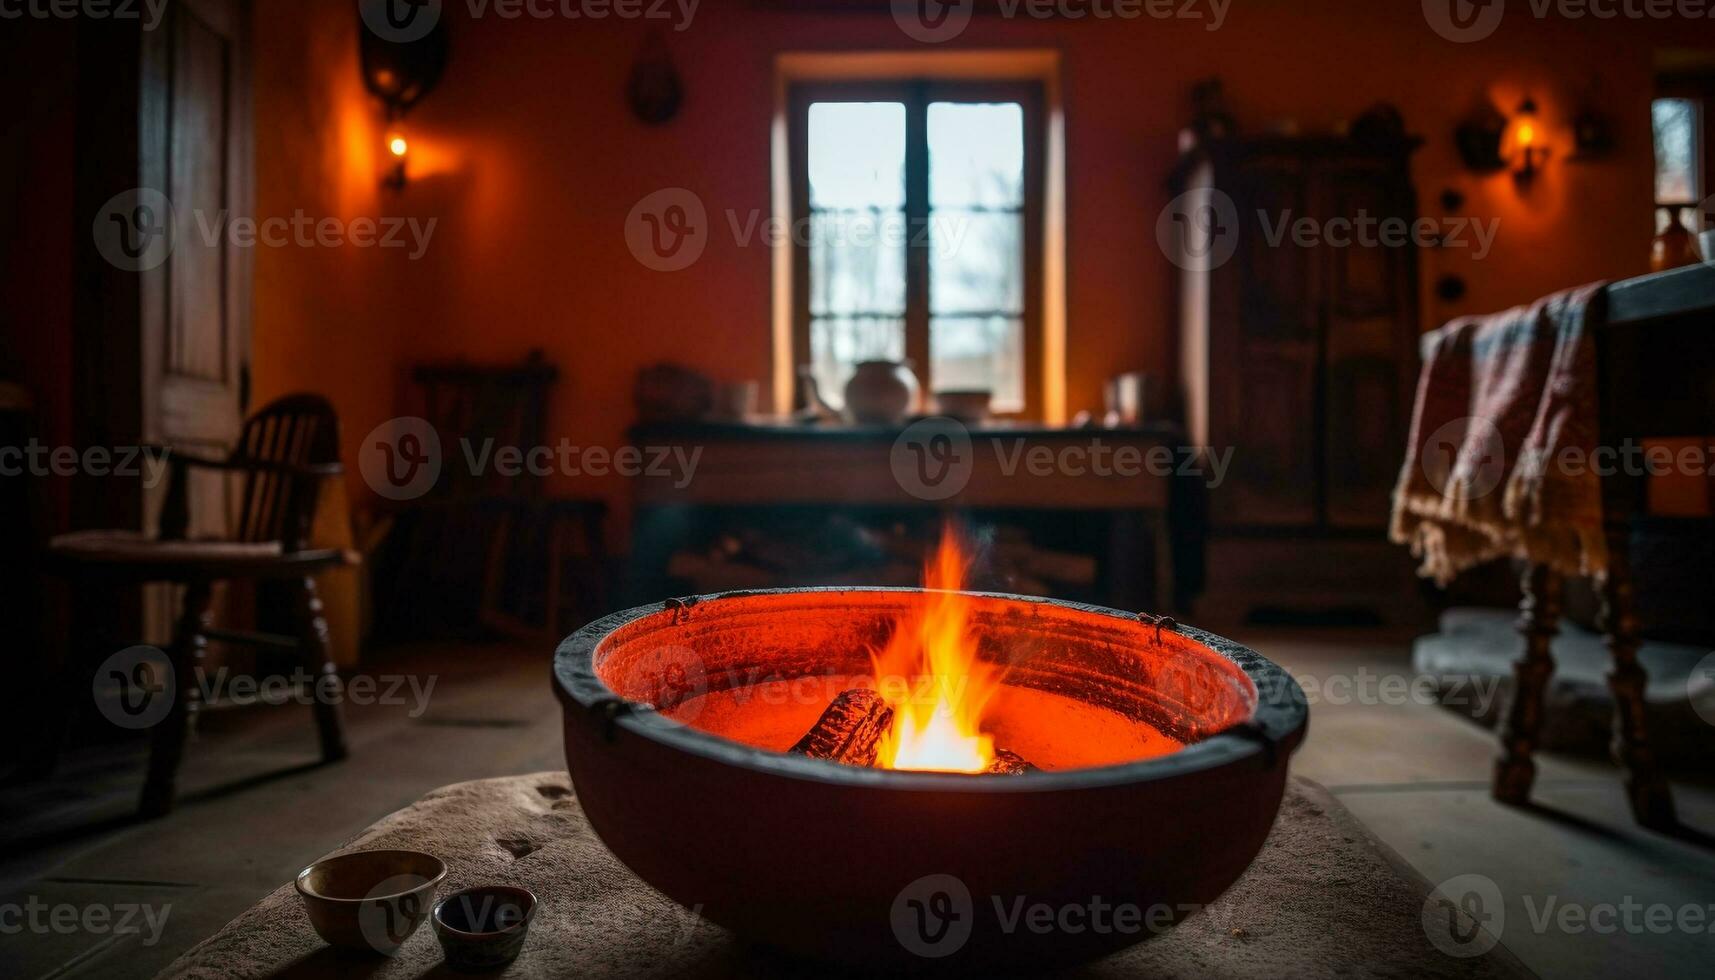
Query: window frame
x,y
916,93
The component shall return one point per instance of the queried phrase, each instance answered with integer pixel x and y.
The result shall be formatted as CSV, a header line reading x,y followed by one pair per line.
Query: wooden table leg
x,y
1651,800
313,648
1538,622
167,739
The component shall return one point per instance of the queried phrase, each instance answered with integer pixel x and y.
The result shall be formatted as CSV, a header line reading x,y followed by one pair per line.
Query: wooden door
x,y
161,336
196,321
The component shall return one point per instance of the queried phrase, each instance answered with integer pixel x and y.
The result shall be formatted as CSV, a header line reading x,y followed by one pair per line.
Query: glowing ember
x,y
931,676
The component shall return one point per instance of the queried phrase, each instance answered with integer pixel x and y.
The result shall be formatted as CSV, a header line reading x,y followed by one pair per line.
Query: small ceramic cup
x,y
370,900
484,928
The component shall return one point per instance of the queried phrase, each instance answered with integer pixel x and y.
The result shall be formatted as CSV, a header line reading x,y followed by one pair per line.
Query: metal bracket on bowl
x,y
681,608
1252,732
608,711
1150,619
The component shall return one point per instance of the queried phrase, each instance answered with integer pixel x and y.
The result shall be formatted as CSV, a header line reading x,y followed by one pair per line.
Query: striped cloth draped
x,y
1498,464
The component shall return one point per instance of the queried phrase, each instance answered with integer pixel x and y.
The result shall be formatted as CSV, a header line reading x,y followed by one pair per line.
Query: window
x,y
922,207
1678,126
1683,126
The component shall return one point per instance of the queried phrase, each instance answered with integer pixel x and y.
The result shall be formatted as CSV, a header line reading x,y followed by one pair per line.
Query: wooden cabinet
x,y
1297,334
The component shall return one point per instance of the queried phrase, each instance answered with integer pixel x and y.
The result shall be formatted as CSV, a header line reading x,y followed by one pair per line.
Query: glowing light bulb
x,y
397,148
1528,153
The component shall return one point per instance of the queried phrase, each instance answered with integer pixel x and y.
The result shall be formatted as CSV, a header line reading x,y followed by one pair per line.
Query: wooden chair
x,y
531,542
1656,379
283,453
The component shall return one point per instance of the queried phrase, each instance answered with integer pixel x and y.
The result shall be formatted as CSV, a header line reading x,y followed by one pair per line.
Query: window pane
x,y
857,262
976,262
839,343
976,257
857,155
976,155
979,353
1676,151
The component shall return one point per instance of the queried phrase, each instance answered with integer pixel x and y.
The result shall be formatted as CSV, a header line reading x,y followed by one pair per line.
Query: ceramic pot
x,y
881,393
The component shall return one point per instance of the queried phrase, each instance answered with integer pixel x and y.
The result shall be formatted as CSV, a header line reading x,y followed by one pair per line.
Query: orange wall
x,y
325,319
535,162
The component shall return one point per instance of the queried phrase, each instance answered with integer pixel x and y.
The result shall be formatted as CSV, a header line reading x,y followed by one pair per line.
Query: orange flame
x,y
932,678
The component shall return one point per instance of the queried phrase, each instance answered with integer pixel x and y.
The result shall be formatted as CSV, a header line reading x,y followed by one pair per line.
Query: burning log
x,y
1007,764
850,730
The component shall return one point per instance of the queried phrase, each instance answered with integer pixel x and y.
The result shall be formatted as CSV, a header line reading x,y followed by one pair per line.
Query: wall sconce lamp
x,y
1489,142
400,73
1527,144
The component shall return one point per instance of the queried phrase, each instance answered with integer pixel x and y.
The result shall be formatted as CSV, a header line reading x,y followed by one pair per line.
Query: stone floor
x,y
1416,776
1585,893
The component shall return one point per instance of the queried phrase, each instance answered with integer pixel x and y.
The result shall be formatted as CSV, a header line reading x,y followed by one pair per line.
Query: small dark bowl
x,y
484,928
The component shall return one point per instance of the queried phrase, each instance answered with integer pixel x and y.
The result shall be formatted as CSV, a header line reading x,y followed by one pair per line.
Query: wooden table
x,y
1128,474
1655,379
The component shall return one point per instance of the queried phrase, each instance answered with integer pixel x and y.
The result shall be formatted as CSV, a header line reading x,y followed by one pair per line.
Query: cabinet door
x,y
1371,315
1277,276
1272,479
1267,399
